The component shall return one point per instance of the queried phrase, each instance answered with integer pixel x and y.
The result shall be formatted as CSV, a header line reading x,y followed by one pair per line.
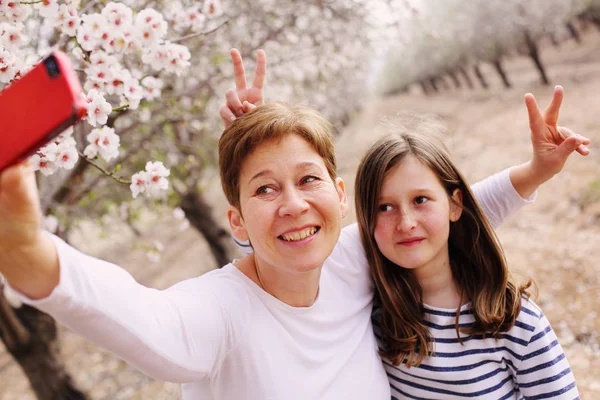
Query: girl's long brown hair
x,y
476,257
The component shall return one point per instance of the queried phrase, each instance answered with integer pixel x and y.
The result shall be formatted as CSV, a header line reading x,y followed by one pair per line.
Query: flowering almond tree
x,y
153,74
445,38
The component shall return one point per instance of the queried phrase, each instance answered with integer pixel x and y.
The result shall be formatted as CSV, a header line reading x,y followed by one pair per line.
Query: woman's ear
x,y
456,205
340,186
236,222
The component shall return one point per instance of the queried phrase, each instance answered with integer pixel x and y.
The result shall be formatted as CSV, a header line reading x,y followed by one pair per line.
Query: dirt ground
x,y
555,240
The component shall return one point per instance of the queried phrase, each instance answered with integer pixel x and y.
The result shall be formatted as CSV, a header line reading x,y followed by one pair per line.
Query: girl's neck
x,y
296,289
438,285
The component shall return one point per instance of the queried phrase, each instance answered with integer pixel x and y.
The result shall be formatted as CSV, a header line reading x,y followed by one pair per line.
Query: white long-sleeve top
x,y
223,337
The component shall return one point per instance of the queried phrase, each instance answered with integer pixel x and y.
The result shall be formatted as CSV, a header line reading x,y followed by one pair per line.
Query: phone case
x,y
39,106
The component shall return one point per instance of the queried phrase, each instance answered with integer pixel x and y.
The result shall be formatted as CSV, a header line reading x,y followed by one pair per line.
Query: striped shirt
x,y
527,362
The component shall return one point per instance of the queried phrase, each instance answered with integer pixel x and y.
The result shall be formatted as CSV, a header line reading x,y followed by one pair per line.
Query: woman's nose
x,y
293,203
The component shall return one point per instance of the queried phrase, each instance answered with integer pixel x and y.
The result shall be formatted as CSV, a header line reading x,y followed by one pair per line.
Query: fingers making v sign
x,y
552,144
244,98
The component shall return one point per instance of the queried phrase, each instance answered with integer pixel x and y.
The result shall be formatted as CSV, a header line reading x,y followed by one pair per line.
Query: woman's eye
x,y
421,200
385,207
264,190
308,179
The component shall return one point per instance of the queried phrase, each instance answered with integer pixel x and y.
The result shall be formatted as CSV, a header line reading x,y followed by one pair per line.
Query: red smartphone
x,y
39,106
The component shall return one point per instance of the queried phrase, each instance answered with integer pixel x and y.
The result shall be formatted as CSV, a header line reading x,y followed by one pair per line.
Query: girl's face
x,y
291,209
413,222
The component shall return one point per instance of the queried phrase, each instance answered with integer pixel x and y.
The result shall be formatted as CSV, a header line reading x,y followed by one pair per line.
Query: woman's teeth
x,y
303,234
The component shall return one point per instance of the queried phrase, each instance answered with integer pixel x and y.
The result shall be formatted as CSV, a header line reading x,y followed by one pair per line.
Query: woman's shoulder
x,y
349,244
225,286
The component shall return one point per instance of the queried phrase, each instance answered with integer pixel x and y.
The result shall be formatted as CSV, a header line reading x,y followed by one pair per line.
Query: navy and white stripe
x,y
245,246
527,362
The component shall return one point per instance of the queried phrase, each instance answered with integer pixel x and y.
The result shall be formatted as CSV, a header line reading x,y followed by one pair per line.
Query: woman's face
x,y
291,209
413,221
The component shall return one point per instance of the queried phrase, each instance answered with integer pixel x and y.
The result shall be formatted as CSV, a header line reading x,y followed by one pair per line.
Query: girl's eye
x,y
421,200
264,190
308,179
385,207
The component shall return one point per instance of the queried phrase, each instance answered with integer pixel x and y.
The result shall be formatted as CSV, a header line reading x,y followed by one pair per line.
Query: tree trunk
x,y
500,69
30,336
434,85
591,16
466,76
424,87
443,84
535,56
199,213
574,33
454,79
480,76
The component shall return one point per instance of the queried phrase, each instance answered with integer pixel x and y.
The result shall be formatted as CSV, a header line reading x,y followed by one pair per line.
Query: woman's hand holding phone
x,y
28,258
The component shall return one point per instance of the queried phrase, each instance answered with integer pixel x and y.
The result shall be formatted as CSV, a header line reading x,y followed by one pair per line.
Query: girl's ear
x,y
236,222
456,205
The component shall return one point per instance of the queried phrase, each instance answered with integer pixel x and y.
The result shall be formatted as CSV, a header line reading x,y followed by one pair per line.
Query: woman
x,y
292,320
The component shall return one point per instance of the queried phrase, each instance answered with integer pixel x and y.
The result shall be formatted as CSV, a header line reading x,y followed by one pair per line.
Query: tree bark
x,y
480,76
462,71
500,69
434,85
535,56
454,79
574,33
30,336
553,40
443,84
199,213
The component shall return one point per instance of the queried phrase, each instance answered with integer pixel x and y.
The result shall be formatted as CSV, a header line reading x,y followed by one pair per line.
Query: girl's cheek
x,y
435,221
383,231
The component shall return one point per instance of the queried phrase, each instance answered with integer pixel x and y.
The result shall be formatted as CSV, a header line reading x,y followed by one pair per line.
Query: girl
x,y
452,322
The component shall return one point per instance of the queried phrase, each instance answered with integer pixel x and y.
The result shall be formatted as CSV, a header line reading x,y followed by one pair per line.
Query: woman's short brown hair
x,y
271,121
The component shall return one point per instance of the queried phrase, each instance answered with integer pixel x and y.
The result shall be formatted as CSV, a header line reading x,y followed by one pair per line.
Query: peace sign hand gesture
x,y
552,144
244,98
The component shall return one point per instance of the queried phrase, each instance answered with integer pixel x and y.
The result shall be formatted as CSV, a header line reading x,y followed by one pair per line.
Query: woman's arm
x,y
174,335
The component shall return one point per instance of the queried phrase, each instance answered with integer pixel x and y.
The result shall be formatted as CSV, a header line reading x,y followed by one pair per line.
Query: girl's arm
x,y
544,371
176,335
498,197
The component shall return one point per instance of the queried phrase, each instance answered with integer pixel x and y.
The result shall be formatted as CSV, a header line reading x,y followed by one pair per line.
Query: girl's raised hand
x,y
244,98
552,144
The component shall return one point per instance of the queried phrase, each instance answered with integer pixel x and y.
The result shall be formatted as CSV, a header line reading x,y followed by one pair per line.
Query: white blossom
x,y
66,155
138,183
103,141
98,109
152,87
68,19
42,164
48,8
152,182
11,36
212,8
7,66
